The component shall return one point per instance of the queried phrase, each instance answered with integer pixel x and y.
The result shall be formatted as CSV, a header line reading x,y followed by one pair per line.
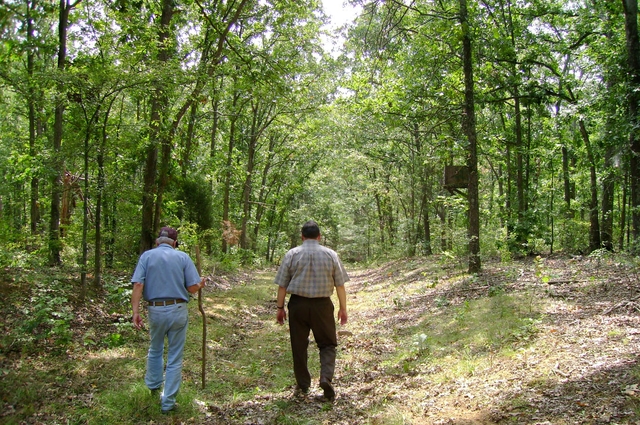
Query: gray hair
x,y
164,239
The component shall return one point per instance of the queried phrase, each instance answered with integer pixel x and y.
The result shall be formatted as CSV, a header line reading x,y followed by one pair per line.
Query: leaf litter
x,y
575,360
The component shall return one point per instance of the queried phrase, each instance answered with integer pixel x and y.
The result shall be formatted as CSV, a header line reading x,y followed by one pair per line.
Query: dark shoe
x,y
155,392
329,392
300,391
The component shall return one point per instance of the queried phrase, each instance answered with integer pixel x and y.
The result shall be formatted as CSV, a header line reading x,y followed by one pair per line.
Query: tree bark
x,y
33,119
608,192
469,129
157,127
228,169
594,228
55,245
633,64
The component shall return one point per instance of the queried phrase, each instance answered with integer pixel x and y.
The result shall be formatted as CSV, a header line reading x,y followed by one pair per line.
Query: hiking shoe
x,y
329,392
300,392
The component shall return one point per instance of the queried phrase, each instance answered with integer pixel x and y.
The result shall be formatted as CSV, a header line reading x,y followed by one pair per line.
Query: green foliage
x,y
197,201
573,236
47,317
279,131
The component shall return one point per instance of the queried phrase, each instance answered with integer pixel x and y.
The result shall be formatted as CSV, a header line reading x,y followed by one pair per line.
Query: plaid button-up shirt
x,y
311,270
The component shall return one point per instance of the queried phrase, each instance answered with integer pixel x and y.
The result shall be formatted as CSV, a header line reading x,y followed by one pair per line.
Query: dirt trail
x,y
579,367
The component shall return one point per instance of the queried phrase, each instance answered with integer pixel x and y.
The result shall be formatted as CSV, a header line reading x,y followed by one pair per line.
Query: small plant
x,y
462,312
400,301
442,302
496,290
114,340
421,342
527,329
541,271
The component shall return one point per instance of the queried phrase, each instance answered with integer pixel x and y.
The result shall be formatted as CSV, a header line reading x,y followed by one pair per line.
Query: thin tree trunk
x,y
469,129
519,163
228,169
157,127
33,120
633,63
85,216
594,228
215,106
608,193
568,193
55,245
188,145
623,212
263,193
97,278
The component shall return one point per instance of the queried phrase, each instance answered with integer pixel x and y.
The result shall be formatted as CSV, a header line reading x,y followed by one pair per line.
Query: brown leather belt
x,y
168,302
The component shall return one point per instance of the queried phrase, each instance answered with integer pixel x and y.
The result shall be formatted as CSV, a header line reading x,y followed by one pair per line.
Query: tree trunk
x,y
247,188
426,223
188,145
55,245
228,171
215,110
520,181
33,120
85,216
97,278
608,191
262,195
633,63
469,129
263,116
568,195
623,212
594,228
157,127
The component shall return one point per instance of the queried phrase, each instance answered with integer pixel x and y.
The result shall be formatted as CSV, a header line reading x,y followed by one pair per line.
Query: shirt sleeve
x,y
191,275
140,273
283,276
340,275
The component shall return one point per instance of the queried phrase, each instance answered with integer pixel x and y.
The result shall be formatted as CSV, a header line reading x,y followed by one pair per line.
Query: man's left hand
x,y
282,315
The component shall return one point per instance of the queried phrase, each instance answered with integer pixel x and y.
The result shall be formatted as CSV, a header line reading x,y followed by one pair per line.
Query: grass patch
x,y
415,352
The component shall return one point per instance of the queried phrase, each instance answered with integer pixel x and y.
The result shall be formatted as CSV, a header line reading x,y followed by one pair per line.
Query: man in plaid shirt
x,y
309,273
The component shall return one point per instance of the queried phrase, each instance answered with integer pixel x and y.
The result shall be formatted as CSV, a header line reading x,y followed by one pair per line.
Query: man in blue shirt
x,y
309,273
164,278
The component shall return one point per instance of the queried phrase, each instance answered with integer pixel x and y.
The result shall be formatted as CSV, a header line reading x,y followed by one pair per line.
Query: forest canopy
x,y
233,122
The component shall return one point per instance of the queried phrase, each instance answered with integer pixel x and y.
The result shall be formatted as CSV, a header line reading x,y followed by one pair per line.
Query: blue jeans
x,y
170,321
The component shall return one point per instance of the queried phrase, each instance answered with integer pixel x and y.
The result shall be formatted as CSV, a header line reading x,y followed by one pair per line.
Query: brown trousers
x,y
316,315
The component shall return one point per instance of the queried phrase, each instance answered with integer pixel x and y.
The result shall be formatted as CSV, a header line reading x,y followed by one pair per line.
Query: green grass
x,y
441,338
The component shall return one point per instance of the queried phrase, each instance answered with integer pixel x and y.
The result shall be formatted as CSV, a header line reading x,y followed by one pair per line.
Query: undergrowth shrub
x,y
48,317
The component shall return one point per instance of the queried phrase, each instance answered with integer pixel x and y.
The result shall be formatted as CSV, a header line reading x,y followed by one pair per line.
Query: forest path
x,y
533,341
551,341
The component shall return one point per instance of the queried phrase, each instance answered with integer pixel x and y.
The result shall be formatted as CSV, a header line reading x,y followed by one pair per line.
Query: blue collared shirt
x,y
166,273
311,270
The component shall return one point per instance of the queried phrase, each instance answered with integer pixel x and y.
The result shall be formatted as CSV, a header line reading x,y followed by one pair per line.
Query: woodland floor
x,y
578,362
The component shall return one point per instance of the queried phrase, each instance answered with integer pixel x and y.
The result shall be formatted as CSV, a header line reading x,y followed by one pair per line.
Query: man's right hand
x,y
137,321
342,316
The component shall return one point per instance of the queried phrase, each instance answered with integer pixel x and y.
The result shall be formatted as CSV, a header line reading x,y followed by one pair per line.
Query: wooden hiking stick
x,y
204,321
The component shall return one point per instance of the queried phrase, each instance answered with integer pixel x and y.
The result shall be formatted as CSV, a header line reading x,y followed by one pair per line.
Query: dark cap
x,y
168,232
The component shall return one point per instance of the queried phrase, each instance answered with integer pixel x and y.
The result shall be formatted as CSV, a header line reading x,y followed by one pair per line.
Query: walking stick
x,y
204,320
